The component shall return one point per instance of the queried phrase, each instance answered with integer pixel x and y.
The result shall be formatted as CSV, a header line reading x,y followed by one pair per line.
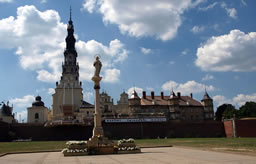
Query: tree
x,y
226,111
248,109
230,111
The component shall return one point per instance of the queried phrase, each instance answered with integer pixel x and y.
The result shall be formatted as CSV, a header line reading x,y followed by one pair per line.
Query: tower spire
x,y
70,39
70,14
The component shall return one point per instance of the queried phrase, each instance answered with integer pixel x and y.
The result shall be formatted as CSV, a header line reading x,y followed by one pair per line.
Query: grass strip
x,y
225,144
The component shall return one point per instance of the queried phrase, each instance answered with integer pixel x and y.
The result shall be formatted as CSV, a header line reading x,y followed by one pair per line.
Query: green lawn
x,y
217,144
6,147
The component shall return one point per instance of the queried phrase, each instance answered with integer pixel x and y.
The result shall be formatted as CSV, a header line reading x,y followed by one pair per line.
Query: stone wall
x,y
4,129
245,128
240,128
117,130
168,129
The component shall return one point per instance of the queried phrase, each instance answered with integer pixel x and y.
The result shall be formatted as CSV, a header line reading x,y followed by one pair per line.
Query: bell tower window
x,y
36,116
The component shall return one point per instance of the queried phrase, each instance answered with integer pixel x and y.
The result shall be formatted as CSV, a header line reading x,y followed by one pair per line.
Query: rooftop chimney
x,y
152,95
178,94
162,95
191,95
144,94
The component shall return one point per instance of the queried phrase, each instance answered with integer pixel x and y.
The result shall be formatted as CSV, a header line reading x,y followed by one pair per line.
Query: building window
x,y
106,108
36,116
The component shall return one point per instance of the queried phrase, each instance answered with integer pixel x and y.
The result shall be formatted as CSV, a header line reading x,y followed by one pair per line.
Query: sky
x,y
184,45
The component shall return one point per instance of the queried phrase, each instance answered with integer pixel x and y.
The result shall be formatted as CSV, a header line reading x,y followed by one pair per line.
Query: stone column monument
x,y
97,130
98,143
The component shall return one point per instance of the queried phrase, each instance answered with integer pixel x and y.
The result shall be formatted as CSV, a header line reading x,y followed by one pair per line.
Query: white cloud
x,y
22,116
208,7
232,52
89,5
6,1
197,29
230,11
39,38
187,88
170,85
184,52
88,96
43,1
171,62
111,75
145,51
137,89
46,76
220,99
238,100
243,2
51,91
208,77
110,56
24,102
160,19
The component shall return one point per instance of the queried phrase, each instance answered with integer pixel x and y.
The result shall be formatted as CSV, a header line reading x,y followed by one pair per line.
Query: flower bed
x,y
79,148
74,152
76,144
127,146
75,148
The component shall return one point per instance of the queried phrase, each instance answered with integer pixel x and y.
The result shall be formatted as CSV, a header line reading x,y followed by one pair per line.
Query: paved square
x,y
172,155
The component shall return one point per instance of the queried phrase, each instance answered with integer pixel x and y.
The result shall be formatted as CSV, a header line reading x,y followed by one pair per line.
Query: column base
x,y
98,131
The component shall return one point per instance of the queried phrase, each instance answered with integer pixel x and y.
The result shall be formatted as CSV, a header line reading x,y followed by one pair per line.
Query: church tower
x,y
68,95
207,103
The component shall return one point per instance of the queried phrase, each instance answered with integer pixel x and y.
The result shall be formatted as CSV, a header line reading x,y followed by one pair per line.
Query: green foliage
x,y
229,112
226,111
248,109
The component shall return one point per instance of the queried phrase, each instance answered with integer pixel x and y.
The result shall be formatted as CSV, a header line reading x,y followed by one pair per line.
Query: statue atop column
x,y
96,78
97,64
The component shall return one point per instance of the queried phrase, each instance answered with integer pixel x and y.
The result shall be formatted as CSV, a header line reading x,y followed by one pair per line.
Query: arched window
x,y
36,116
